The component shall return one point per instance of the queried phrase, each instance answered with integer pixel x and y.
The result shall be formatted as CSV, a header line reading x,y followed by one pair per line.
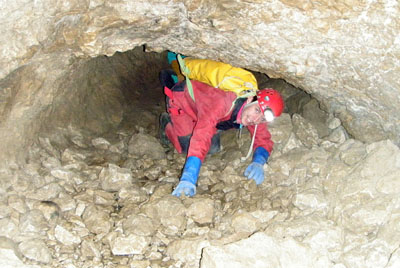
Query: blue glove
x,y
187,184
255,170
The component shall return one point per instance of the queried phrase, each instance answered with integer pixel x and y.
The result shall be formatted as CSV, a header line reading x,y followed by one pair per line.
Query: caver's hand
x,y
255,170
185,188
187,184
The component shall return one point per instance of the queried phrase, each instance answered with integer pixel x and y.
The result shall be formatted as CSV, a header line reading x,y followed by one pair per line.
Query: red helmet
x,y
270,102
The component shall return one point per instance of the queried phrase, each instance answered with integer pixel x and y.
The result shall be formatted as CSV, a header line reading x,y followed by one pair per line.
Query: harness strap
x,y
242,159
185,71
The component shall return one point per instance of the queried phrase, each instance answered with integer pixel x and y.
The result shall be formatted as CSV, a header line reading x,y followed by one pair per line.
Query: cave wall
x,y
345,53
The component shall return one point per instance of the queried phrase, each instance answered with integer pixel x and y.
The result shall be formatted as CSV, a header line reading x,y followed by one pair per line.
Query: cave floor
x,y
106,202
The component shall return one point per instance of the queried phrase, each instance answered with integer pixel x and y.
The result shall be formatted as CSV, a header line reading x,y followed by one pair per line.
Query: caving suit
x,y
199,120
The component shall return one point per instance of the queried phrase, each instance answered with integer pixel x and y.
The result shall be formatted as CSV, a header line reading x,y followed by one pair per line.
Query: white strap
x,y
242,159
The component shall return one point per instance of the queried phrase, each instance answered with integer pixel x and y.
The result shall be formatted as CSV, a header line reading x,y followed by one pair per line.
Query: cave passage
x,y
96,188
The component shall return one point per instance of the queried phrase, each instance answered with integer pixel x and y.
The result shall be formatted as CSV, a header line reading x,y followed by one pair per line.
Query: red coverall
x,y
200,117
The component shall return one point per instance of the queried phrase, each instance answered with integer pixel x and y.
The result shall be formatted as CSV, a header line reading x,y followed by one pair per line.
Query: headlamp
x,y
269,115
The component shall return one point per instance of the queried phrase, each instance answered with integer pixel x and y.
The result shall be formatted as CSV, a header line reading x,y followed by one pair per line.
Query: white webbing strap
x,y
242,159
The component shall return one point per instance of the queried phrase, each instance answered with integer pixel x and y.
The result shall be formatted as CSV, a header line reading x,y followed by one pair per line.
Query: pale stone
x,y
338,135
51,211
96,220
72,156
17,203
50,149
65,236
80,208
51,162
35,249
164,208
327,240
281,128
62,174
8,228
114,178
304,131
90,249
201,210
264,216
245,222
119,147
153,173
261,250
132,195
369,255
352,151
317,117
173,225
365,216
141,145
80,141
138,225
103,198
154,255
140,263
128,245
394,260
5,211
101,143
8,259
187,250
33,223
47,192
334,123
311,200
377,170
292,143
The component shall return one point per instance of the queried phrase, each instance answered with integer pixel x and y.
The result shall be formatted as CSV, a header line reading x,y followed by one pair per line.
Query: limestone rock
x,y
245,222
101,143
187,250
90,249
338,135
311,200
96,220
138,225
35,249
17,203
261,250
201,210
141,145
65,236
8,259
8,227
114,178
314,114
33,223
128,245
51,211
304,131
352,151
